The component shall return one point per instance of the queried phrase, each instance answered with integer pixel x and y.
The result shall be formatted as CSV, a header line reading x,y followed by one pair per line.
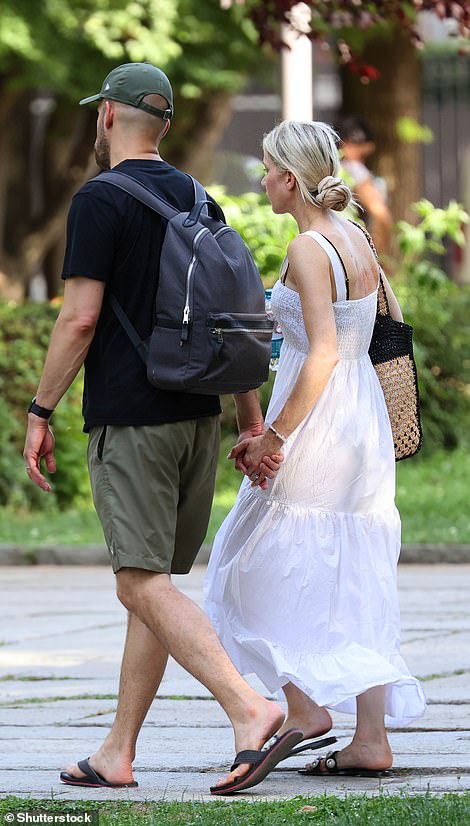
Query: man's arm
x,y
250,423
249,414
71,337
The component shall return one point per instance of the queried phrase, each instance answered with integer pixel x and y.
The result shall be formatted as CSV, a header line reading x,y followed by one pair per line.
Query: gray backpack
x,y
211,333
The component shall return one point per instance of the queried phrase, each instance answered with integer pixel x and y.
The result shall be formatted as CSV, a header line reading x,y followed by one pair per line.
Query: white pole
x,y
296,66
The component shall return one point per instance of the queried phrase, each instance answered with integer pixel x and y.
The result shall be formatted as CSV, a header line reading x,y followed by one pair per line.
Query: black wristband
x,y
42,412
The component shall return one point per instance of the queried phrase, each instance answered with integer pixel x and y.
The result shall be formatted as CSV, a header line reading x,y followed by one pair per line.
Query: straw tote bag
x,y
391,353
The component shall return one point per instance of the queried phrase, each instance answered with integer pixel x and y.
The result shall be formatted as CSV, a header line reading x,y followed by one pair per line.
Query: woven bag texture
x,y
391,353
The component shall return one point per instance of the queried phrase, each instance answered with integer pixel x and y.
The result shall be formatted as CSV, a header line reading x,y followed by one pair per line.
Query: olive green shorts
x,y
152,488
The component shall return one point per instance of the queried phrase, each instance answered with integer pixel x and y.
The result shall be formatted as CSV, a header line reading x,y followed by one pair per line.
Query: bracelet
x,y
42,412
279,435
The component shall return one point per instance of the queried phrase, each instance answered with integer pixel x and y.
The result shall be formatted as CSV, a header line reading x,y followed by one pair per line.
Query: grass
x,y
9,678
432,496
380,810
28,701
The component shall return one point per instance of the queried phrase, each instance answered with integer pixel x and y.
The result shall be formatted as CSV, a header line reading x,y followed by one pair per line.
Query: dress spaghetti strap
x,y
339,270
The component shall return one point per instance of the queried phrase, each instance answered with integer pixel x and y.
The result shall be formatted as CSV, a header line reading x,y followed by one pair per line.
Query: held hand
x,y
256,429
39,443
259,458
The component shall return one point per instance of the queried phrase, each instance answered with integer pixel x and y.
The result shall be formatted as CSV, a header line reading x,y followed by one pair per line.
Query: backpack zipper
x,y
191,268
219,331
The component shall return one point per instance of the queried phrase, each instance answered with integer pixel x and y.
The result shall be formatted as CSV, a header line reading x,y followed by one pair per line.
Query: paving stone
x,y
181,786
68,622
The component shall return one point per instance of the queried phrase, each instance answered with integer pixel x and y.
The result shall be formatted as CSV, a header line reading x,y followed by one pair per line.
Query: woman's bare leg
x,y
369,748
304,713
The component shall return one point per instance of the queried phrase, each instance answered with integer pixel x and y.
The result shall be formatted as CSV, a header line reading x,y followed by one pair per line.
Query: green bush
x,y
267,235
24,336
437,308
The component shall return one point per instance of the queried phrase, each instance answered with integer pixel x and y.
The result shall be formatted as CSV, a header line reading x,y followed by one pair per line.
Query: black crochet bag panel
x,y
391,353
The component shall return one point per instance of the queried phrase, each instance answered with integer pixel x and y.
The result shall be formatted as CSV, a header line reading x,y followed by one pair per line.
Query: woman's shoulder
x,y
302,245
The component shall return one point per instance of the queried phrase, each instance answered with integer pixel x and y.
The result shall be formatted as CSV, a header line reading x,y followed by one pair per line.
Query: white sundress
x,y
302,581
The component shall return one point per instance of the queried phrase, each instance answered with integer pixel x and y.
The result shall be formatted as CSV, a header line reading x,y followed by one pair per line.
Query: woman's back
x,y
355,253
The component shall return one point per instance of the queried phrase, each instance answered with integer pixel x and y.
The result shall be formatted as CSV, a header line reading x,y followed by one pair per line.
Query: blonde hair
x,y
309,150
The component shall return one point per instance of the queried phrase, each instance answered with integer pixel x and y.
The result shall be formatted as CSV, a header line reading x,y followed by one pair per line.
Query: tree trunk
x,y
381,103
196,133
33,224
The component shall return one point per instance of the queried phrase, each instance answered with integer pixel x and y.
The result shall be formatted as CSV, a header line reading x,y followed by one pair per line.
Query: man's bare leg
x,y
186,633
143,665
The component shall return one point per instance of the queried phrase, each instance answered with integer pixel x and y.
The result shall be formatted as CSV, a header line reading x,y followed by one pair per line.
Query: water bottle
x,y
277,337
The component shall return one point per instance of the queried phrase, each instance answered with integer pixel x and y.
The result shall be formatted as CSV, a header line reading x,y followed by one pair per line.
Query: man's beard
x,y
102,154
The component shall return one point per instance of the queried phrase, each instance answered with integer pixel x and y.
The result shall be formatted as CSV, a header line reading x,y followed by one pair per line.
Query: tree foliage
x,y
65,46
350,23
348,16
53,53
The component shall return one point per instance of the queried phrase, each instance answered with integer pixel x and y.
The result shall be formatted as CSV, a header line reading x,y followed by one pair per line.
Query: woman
x,y
301,585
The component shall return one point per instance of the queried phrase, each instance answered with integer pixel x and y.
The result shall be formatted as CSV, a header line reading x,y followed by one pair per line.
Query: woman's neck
x,y
308,216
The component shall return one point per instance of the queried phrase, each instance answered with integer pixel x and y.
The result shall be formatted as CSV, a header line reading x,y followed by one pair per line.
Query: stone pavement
x,y
61,637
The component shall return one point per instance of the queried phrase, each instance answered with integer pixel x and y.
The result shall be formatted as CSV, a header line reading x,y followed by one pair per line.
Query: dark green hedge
x,y
437,308
24,336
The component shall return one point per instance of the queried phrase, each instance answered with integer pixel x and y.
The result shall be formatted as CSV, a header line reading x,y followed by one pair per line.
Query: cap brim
x,y
91,99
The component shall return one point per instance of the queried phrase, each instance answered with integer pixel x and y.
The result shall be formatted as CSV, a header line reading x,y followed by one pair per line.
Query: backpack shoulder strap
x,y
140,345
200,194
339,270
162,208
140,192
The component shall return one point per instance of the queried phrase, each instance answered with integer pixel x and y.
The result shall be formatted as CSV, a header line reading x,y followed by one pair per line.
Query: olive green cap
x,y
131,82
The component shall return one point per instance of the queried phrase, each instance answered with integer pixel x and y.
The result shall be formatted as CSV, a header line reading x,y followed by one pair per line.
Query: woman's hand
x,y
258,457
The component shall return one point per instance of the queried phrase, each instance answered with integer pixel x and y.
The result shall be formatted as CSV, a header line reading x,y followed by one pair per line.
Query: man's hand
x,y
268,463
39,443
256,429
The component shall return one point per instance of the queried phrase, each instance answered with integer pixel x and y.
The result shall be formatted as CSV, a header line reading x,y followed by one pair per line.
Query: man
x,y
152,455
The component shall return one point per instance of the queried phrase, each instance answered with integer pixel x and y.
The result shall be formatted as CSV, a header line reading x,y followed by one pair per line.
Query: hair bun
x,y
333,193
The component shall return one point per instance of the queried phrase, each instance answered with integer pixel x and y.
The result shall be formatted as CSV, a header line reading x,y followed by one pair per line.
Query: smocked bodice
x,y
354,321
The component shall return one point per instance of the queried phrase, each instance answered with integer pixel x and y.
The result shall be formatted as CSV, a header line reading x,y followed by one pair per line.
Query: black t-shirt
x,y
112,237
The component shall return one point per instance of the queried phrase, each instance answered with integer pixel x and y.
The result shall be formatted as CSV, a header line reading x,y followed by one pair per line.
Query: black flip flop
x,y
312,745
261,762
92,778
331,768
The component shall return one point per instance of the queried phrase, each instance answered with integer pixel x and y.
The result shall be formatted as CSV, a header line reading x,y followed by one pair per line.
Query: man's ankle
x,y
118,747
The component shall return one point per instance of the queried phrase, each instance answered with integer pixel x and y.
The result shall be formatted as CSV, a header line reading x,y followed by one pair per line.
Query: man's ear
x,y
109,112
166,129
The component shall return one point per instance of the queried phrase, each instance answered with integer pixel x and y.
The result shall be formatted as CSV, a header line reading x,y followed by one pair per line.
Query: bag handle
x,y
382,300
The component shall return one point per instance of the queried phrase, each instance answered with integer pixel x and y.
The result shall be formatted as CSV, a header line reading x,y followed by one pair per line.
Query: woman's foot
x,y
360,755
313,721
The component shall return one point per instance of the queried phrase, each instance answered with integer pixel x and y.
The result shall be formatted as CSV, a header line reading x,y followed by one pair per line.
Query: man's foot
x,y
314,724
260,724
107,763
261,763
370,756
